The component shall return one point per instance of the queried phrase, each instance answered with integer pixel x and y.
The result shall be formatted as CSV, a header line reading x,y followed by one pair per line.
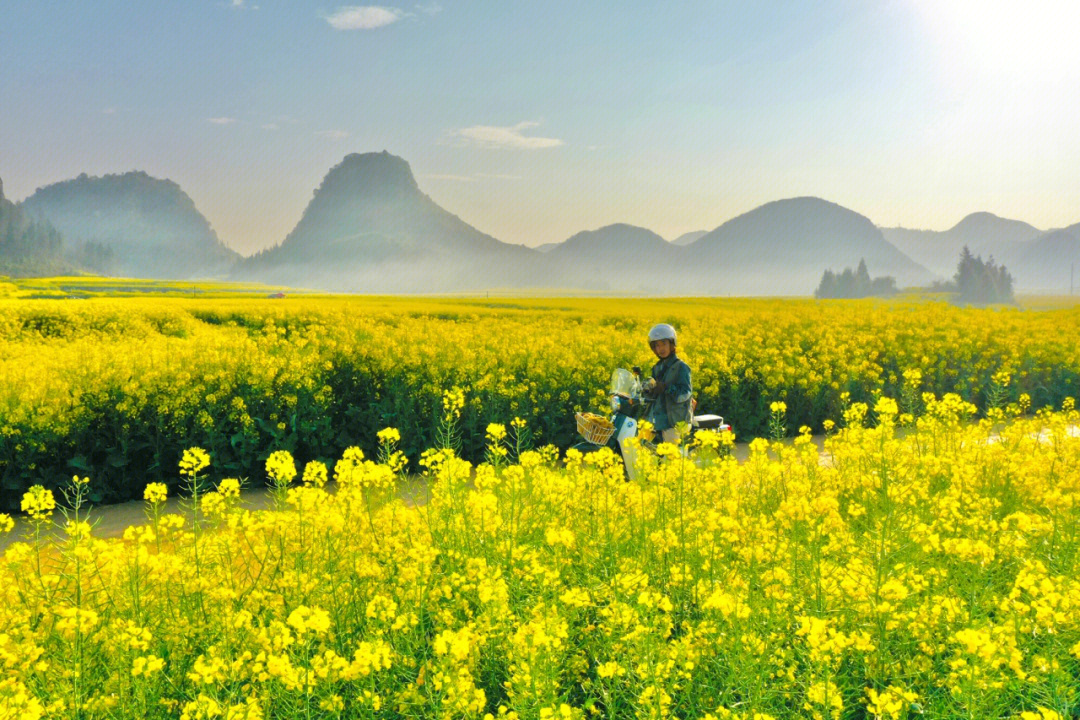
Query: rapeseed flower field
x,y
116,388
922,565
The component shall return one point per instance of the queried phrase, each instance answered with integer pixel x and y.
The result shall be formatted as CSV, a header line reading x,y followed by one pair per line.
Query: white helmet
x,y
663,331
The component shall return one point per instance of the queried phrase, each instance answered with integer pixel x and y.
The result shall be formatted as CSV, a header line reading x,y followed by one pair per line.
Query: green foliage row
x,y
117,389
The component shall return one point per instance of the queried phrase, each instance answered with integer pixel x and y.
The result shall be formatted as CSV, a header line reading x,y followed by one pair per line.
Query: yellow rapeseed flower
x,y
388,435
155,492
280,467
38,503
194,460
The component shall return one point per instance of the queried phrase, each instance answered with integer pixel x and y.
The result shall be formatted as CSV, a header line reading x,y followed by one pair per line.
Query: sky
x,y
534,121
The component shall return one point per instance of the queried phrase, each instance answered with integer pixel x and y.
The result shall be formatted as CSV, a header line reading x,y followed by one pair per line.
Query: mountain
x,y
546,247
690,237
989,228
983,233
636,243
783,247
28,247
132,225
637,258
1050,262
369,228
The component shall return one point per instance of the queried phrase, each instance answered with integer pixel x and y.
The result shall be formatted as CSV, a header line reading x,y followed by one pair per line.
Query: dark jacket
x,y
673,405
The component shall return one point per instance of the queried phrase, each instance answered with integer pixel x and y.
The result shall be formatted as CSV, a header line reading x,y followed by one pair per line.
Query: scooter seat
x,y
707,422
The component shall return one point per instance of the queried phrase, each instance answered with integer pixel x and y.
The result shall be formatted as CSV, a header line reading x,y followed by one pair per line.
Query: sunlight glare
x,y
1037,40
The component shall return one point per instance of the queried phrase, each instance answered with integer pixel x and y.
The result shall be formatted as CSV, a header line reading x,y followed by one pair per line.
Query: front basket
x,y
596,429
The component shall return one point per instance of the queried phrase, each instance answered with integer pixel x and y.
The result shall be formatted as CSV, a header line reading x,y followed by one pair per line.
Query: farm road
x,y
112,520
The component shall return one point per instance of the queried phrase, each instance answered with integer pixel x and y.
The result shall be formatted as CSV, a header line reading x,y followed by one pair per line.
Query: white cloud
x,y
363,17
269,126
221,120
109,111
506,137
430,8
332,134
499,176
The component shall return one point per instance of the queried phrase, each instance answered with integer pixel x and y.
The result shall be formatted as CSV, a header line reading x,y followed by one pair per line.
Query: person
x,y
669,387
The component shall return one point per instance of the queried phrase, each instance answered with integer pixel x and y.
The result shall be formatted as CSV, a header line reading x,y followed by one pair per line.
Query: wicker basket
x,y
594,428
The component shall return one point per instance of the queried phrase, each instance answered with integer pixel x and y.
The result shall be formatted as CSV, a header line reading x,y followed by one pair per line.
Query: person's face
x,y
662,348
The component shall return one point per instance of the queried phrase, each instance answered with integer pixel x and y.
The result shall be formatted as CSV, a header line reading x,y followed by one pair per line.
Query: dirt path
x,y
111,520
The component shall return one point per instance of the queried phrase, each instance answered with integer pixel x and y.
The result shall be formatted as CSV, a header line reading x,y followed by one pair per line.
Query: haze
x,y
534,121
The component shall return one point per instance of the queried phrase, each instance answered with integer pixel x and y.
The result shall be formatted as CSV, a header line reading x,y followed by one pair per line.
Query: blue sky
x,y
533,121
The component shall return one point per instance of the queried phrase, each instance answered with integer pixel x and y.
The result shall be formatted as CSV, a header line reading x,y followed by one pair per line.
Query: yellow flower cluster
x,y
38,503
930,569
314,474
132,382
155,493
280,467
193,461
388,435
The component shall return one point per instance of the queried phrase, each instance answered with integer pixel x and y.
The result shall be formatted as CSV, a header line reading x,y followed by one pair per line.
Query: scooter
x,y
628,405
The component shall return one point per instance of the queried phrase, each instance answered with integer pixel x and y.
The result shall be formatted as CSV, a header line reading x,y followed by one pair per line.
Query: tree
x,y
828,287
862,277
982,283
28,247
857,284
846,284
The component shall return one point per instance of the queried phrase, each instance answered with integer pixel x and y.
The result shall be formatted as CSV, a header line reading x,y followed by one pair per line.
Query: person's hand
x,y
659,387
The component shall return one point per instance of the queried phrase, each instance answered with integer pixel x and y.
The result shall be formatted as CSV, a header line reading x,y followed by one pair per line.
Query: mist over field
x,y
370,228
623,148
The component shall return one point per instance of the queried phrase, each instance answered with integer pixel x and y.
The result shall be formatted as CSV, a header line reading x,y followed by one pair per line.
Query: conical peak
x,y
370,174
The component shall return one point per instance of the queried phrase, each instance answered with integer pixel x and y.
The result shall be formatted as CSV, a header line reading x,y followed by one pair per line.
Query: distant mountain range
x,y
132,225
804,236
983,233
1050,262
687,238
1037,259
369,228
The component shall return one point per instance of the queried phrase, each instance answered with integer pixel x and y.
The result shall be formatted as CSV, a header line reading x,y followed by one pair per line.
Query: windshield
x,y
624,383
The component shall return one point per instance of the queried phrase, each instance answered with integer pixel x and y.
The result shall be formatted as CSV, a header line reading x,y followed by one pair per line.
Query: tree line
x,y
976,282
855,284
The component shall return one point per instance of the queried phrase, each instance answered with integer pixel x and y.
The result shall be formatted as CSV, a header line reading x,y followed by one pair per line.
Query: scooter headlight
x,y
616,403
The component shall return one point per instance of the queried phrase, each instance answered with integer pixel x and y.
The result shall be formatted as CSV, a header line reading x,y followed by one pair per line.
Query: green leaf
x,y
80,463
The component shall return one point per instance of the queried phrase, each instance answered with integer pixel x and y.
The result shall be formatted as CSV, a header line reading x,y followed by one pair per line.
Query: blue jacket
x,y
673,405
